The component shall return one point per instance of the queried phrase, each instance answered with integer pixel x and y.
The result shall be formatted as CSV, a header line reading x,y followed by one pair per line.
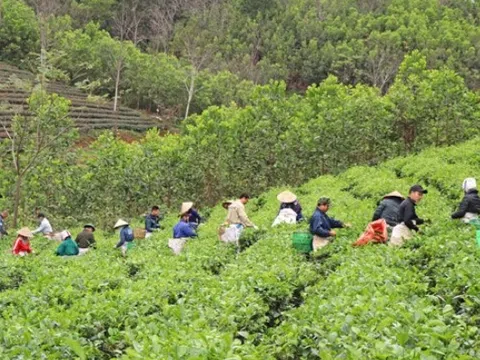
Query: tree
x,y
32,140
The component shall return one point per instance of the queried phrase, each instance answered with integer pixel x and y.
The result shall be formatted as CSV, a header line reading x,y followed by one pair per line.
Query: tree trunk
x,y
115,100
191,90
18,193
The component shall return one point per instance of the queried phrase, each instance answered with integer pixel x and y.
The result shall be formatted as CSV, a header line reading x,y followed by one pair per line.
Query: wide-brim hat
x,y
89,226
286,197
120,223
227,203
25,231
395,194
186,206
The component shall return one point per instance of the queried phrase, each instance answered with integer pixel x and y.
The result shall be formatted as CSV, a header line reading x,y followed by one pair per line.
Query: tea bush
x,y
265,301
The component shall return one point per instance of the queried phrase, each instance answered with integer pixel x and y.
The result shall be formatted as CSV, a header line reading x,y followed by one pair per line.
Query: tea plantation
x,y
421,301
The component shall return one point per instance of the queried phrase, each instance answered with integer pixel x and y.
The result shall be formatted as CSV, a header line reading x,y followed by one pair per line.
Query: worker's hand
x,y
332,233
255,227
347,225
427,221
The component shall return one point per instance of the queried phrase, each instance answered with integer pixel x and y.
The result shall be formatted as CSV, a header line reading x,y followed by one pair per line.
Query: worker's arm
x,y
40,228
242,215
408,217
188,231
123,239
378,212
335,224
462,209
149,224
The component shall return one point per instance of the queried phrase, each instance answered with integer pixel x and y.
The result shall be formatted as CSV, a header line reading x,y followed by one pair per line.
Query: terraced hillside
x,y
88,115
420,301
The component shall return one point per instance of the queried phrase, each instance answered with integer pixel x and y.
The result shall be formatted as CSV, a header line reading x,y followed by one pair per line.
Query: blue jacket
x,y
295,206
151,223
194,217
3,231
126,235
321,224
183,230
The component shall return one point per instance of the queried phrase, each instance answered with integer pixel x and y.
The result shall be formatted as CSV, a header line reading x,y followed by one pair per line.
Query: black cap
x,y
418,188
323,201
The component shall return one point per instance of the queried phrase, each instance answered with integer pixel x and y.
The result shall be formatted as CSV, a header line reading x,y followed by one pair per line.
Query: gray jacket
x,y
388,209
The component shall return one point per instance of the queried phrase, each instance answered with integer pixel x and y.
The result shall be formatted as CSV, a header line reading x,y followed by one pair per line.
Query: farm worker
x,y
289,200
21,246
470,206
3,228
126,236
152,221
237,215
182,231
86,240
194,218
68,247
408,217
388,209
45,228
321,224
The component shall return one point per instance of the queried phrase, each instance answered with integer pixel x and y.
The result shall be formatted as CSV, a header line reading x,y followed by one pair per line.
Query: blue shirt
x,y
3,231
126,235
321,224
183,230
151,223
194,217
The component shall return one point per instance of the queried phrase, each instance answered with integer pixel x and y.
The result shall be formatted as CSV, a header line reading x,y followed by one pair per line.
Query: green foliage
x,y
267,301
18,31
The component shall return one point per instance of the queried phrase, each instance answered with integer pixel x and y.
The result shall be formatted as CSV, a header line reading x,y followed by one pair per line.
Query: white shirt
x,y
44,228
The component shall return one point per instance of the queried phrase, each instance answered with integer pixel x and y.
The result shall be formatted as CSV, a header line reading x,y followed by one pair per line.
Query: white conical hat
x,y
25,231
469,184
120,223
395,194
286,197
186,206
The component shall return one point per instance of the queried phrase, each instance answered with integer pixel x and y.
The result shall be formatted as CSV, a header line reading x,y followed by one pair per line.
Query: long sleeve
x,y
123,239
378,211
462,209
318,227
150,224
335,224
408,217
242,215
40,228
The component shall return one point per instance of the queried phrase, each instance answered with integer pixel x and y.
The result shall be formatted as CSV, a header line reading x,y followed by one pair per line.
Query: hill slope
x,y
266,302
87,114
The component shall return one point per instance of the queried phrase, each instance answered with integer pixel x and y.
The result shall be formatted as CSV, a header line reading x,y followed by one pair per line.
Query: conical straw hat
x,y
120,223
395,194
286,197
186,206
25,231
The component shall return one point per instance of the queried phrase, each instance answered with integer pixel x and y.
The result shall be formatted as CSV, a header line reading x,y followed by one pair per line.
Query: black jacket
x,y
388,209
470,204
407,214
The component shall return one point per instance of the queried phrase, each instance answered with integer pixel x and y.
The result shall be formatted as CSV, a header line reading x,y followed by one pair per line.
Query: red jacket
x,y
21,246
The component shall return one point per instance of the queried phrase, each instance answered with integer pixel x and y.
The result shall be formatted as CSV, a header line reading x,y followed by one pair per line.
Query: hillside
x,y
266,302
87,114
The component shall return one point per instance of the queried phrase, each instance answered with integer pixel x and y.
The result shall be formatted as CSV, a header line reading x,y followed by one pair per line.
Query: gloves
x,y
255,227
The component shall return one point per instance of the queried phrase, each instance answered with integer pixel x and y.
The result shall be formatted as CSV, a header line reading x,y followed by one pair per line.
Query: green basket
x,y
302,241
476,223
